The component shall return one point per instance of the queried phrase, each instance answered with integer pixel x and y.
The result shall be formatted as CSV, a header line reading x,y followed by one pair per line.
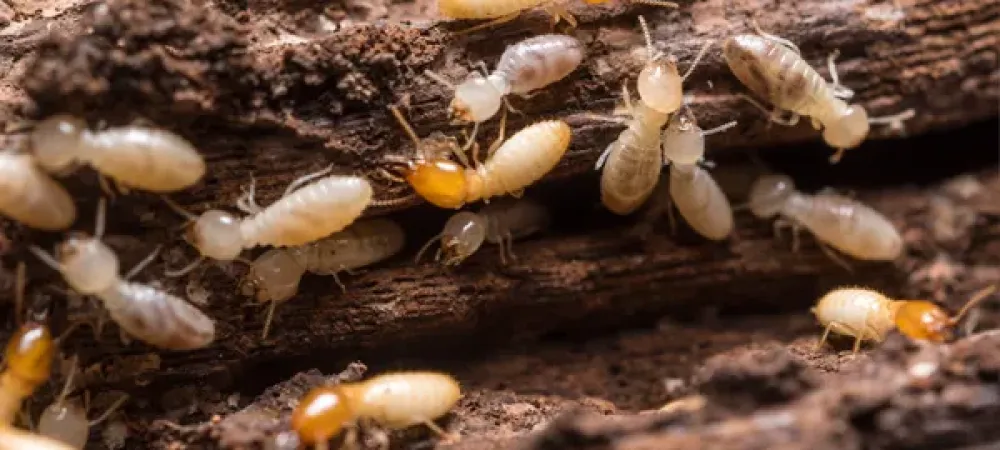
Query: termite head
x,y
769,194
56,142
441,182
923,320
476,100
849,129
660,85
273,277
217,235
87,264
29,353
683,142
321,414
463,234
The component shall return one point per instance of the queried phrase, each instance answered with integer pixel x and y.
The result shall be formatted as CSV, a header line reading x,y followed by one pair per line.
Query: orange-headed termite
x,y
869,315
497,222
133,156
394,400
773,69
516,164
274,276
840,222
31,197
90,267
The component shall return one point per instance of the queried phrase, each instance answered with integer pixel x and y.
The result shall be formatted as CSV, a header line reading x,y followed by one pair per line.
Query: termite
x,y
90,267
501,11
772,68
275,275
133,156
840,222
496,223
309,210
869,315
31,197
524,67
516,164
393,400
632,163
692,189
65,420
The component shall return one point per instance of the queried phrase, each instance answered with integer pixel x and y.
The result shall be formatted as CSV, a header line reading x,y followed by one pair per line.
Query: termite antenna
x,y
895,121
111,409
45,257
179,209
99,219
976,299
393,201
426,246
778,39
718,129
298,182
408,129
438,78
144,263
660,3
268,319
68,385
651,53
697,59
169,273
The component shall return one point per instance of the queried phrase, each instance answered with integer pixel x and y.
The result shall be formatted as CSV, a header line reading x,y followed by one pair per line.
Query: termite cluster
x,y
315,228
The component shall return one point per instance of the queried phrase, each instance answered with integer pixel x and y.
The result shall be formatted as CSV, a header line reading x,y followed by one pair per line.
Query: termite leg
x,y
20,283
774,115
248,200
420,253
510,247
492,23
860,337
833,255
298,182
503,251
559,12
671,218
444,435
169,273
840,91
778,39
111,409
604,156
336,279
268,319
500,136
517,194
826,334
382,172
105,185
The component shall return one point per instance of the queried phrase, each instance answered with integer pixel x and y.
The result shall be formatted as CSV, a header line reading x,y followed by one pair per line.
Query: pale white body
x,y
521,160
276,274
631,165
841,222
31,197
507,219
856,312
134,156
700,201
14,439
67,422
401,400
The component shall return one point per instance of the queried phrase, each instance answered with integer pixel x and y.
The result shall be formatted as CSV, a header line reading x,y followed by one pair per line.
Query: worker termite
x,y
869,315
497,222
90,267
772,68
302,215
133,156
393,400
275,275
65,420
31,197
632,163
840,222
501,11
693,190
529,65
519,162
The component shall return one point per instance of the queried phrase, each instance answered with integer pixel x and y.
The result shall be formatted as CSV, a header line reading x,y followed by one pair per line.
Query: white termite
x,y
631,164
526,66
163,320
302,215
145,158
275,275
496,223
692,189
66,419
840,222
31,197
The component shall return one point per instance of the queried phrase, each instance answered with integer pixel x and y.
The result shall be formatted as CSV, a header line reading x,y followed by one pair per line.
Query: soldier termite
x,y
31,197
840,222
529,65
313,211
393,400
772,68
275,275
693,190
501,11
133,156
66,419
632,164
496,223
519,162
869,315
90,267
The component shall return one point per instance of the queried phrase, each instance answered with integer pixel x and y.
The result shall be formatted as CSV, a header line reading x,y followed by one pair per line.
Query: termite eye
x,y
442,183
476,100
769,193
217,235
88,265
660,86
29,352
321,414
923,320
55,142
849,130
